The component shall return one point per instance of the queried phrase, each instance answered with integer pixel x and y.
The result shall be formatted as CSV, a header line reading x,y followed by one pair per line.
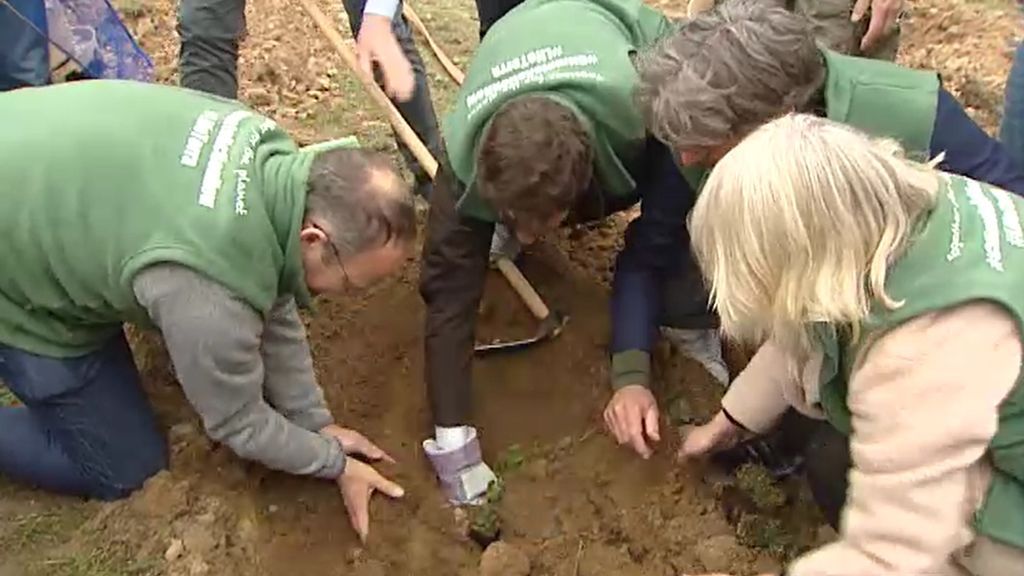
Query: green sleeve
x,y
651,25
631,367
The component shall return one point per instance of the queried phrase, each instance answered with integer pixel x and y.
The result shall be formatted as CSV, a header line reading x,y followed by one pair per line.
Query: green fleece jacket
x,y
161,206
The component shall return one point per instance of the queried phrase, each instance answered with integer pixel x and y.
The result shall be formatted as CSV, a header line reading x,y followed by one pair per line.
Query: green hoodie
x,y
104,178
578,52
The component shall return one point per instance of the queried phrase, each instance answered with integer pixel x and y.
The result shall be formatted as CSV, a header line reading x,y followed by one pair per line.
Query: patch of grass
x,y
757,483
6,396
994,4
510,460
99,561
36,529
133,8
765,533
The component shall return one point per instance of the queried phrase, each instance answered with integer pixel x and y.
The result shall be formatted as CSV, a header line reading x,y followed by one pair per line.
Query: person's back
x,y
192,215
131,174
586,67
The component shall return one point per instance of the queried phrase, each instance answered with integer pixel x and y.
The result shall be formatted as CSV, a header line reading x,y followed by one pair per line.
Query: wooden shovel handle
x,y
443,58
426,160
405,132
522,287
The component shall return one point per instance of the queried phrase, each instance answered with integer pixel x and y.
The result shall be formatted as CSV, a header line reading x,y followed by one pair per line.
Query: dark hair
x,y
361,199
535,161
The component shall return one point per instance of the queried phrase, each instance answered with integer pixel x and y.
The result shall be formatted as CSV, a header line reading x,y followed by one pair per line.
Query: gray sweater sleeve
x,y
214,340
290,382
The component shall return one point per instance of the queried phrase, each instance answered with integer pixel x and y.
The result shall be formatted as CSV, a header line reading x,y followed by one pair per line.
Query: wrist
x,y
631,368
734,422
727,426
384,8
375,23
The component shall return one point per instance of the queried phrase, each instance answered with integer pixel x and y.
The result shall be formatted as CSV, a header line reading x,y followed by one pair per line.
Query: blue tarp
x,y
89,32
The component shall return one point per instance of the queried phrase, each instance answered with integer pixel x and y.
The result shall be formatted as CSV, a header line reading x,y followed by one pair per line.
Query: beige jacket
x,y
924,404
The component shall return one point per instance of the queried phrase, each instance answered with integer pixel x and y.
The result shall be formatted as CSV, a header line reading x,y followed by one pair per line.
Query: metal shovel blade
x,y
549,329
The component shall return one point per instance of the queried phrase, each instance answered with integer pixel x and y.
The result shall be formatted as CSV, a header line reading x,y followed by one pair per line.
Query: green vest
x,y
877,97
971,247
578,52
883,99
102,178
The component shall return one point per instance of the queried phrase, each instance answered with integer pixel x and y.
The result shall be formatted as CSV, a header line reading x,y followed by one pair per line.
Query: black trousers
x,y
826,461
490,11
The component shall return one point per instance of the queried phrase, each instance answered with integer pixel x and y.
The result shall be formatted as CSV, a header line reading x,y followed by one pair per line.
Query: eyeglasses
x,y
337,255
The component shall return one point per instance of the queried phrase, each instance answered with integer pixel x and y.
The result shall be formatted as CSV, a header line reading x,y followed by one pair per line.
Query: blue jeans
x,y
1011,132
24,52
86,427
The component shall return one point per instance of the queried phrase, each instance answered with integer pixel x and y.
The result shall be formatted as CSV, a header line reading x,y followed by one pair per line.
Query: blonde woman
x,y
889,298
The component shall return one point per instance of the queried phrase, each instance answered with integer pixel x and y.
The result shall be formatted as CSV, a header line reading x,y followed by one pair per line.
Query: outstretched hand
x,y
357,484
359,481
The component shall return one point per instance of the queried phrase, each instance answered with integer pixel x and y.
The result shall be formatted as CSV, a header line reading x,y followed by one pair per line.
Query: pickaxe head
x,y
550,327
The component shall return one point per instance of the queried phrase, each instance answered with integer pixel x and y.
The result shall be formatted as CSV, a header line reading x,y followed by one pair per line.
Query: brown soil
x,y
574,502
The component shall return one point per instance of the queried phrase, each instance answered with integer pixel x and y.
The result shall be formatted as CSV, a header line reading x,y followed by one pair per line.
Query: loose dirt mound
x,y
574,503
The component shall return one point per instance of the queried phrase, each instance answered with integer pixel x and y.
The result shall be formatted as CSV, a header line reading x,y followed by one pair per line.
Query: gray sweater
x,y
250,378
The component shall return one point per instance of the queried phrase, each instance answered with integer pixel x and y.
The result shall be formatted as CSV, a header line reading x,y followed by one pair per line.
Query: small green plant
x,y
484,520
6,396
758,485
765,533
510,460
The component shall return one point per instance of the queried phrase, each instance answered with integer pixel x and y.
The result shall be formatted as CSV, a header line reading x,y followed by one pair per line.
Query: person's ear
x,y
312,235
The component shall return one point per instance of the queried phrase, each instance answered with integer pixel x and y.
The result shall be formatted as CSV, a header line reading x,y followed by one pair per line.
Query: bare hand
x,y
883,17
719,434
358,483
631,414
353,442
376,43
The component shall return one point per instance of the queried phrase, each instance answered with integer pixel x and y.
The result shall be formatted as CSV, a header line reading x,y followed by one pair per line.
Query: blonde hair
x,y
799,224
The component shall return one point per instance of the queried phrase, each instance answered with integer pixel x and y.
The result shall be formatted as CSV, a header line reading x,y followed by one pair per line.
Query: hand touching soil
x,y
359,481
632,414
715,436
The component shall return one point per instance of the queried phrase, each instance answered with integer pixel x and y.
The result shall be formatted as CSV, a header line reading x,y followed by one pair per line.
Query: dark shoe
x,y
767,451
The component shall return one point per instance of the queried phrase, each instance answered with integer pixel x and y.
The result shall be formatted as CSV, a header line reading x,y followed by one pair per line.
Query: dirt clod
x,y
504,559
199,539
175,550
767,564
719,553
198,567
600,559
538,469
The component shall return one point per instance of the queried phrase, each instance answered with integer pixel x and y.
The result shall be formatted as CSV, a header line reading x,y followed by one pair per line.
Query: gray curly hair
x,y
723,73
